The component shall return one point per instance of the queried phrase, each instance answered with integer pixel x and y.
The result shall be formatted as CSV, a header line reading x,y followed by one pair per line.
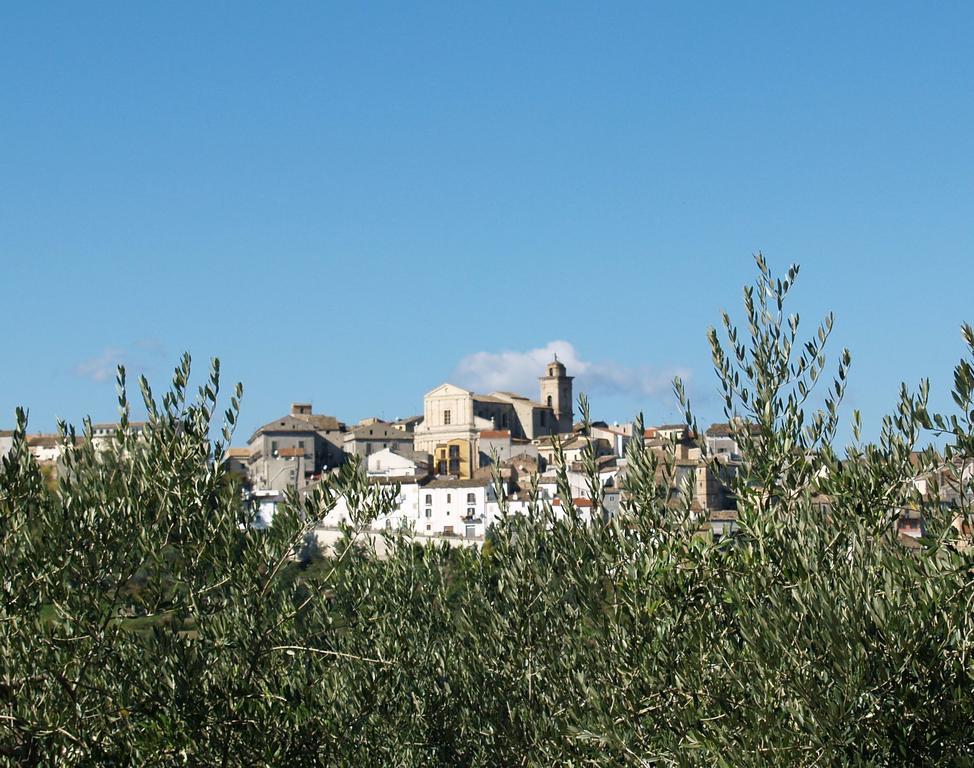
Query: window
x,y
471,498
471,511
429,498
454,466
273,447
429,512
549,401
454,451
447,417
300,443
441,468
448,498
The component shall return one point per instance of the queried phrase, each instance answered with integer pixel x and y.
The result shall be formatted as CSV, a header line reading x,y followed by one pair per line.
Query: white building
x,y
264,505
103,434
405,513
388,463
6,441
46,449
455,507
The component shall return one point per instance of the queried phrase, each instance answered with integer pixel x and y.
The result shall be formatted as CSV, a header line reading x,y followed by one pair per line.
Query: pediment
x,y
448,390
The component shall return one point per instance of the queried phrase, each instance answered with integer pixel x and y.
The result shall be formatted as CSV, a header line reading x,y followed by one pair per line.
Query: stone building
x,y
294,449
374,436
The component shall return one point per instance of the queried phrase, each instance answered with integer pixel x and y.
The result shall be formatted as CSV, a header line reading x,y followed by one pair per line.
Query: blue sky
x,y
352,203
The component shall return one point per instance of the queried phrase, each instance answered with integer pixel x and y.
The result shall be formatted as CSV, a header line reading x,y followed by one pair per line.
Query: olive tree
x,y
144,621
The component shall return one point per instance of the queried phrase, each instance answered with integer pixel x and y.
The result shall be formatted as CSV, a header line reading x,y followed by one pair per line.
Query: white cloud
x,y
102,366
519,371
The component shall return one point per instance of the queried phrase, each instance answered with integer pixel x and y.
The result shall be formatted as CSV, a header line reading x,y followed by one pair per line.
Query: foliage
x,y
143,621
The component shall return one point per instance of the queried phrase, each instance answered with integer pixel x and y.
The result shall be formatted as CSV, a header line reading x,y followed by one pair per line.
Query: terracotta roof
x,y
495,434
577,502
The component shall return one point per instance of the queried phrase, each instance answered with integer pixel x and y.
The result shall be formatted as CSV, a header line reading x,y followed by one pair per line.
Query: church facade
x,y
452,414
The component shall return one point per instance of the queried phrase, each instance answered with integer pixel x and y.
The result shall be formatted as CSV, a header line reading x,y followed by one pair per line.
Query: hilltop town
x,y
447,462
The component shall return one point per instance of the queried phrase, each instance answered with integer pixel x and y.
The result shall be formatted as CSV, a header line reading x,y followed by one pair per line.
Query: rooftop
x,y
377,431
303,422
450,483
495,434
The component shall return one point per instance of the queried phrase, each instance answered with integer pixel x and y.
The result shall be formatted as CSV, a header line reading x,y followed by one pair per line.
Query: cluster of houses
x,y
445,460
450,462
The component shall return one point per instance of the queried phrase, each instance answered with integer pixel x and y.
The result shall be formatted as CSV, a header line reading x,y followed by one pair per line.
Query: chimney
x,y
300,409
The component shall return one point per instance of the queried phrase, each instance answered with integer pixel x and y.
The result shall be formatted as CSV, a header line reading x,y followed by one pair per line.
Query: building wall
x,y
614,437
534,421
447,415
450,510
404,515
363,445
455,458
279,474
723,445
504,447
269,470
497,415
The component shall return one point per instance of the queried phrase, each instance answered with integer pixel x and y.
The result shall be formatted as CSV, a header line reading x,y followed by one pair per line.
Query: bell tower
x,y
556,392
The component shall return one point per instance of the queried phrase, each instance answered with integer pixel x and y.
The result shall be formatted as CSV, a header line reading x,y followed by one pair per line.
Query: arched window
x,y
549,401
470,498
